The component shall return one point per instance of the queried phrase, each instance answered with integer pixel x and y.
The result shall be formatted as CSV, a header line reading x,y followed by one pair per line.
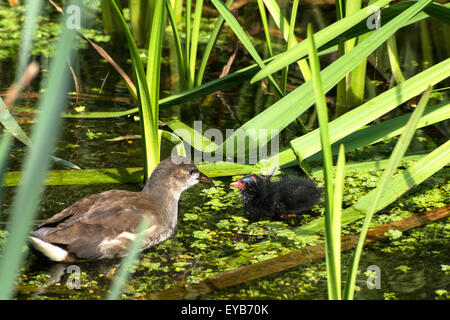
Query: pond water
x,y
212,227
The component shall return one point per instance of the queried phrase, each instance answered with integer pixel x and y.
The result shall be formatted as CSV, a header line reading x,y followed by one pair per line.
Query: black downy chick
x,y
281,199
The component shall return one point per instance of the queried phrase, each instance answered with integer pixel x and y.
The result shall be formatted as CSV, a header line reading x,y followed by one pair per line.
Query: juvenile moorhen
x,y
282,199
103,225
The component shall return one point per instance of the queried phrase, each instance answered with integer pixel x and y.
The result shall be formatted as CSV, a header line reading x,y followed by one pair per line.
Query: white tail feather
x,y
51,251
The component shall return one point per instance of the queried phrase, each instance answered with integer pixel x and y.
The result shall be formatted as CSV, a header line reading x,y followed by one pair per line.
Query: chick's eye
x,y
247,180
192,171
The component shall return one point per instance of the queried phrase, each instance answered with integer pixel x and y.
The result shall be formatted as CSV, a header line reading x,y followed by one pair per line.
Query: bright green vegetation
x,y
371,113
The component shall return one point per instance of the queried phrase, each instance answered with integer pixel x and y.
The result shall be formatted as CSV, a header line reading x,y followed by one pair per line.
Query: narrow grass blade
x,y
393,60
341,87
194,41
82,177
126,175
6,141
127,262
351,7
178,9
211,41
150,158
111,25
240,33
153,75
425,43
108,17
33,9
302,64
262,13
36,162
187,41
11,125
288,35
355,80
154,57
336,217
322,114
141,14
178,46
382,187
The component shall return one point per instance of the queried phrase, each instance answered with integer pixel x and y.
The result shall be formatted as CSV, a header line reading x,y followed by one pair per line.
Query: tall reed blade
x,y
286,30
187,41
5,144
290,42
141,14
209,46
393,60
394,161
178,47
322,113
336,217
148,105
262,12
31,15
194,42
127,262
37,159
153,82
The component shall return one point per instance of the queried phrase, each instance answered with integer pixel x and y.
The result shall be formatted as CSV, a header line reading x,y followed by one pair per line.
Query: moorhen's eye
x,y
247,180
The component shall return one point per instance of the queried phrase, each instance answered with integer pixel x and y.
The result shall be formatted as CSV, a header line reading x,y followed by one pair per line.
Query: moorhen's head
x,y
177,174
250,185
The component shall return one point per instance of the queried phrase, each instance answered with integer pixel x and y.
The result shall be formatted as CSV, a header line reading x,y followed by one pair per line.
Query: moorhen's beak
x,y
205,179
238,185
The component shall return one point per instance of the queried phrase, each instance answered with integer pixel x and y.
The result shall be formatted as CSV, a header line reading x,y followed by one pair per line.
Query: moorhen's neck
x,y
161,185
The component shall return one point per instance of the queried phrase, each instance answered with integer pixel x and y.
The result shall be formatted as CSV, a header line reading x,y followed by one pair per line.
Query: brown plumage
x,y
103,225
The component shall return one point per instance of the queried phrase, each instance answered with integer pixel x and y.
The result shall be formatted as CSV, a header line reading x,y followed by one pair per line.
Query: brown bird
x,y
103,226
